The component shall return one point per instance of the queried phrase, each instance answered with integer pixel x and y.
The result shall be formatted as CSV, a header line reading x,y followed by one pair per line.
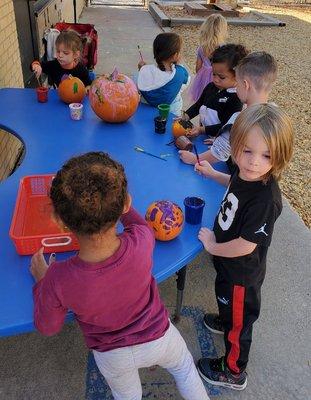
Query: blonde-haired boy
x,y
262,145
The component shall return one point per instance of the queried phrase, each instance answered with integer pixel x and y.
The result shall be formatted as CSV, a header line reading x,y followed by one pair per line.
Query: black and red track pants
x,y
239,307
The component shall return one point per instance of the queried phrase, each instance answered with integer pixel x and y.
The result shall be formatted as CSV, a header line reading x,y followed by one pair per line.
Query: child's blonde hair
x,y
71,40
260,67
213,33
277,131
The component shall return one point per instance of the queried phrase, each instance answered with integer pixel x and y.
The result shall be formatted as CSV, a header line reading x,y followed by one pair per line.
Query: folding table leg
x,y
181,279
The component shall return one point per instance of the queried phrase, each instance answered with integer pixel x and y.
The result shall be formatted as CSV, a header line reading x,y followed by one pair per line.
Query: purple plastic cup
x,y
194,210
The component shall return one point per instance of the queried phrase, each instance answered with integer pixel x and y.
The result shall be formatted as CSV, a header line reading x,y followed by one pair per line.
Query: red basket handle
x,y
65,241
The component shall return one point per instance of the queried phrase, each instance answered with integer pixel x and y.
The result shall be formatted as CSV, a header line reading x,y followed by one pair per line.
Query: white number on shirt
x,y
228,212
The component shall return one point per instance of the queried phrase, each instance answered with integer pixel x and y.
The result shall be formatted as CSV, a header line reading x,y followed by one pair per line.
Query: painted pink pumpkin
x,y
165,218
114,98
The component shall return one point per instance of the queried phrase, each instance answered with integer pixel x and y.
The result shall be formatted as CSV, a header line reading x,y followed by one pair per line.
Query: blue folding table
x,y
50,138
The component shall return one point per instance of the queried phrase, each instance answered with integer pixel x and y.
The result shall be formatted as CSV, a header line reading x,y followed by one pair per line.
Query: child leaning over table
x,y
255,76
68,52
261,147
219,100
109,284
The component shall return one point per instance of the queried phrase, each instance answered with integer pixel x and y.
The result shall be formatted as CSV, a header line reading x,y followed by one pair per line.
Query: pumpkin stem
x,y
114,74
65,76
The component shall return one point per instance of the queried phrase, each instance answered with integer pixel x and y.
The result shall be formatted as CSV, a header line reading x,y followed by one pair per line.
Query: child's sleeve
x,y
221,148
233,105
49,314
47,67
186,79
258,222
193,110
135,225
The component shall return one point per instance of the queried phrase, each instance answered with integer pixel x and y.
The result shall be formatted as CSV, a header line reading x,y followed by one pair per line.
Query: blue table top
x,y
51,138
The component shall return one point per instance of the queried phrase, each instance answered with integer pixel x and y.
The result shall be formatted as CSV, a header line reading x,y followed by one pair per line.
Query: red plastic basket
x,y
33,225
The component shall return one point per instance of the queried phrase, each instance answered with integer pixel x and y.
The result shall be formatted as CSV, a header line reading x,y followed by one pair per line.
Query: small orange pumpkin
x,y
114,98
181,127
71,89
165,218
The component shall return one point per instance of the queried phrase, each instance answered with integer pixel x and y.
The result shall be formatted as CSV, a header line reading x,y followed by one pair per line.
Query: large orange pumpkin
x,y
71,89
181,127
165,218
114,98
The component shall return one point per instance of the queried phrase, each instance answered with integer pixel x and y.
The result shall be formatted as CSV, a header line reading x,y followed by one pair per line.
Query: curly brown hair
x,y
89,193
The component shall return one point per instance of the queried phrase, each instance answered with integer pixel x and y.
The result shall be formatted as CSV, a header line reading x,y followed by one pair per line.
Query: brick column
x,y
10,63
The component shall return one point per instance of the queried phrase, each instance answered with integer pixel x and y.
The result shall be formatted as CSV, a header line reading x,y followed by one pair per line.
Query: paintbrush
x,y
149,154
196,153
141,56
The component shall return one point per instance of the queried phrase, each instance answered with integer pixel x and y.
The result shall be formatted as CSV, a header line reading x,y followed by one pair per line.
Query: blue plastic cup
x,y
194,210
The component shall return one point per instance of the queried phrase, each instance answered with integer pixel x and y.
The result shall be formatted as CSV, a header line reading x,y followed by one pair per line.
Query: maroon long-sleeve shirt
x,y
116,302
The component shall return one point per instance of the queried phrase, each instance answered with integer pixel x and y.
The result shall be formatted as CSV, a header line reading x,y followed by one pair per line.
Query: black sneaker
x,y
213,323
214,371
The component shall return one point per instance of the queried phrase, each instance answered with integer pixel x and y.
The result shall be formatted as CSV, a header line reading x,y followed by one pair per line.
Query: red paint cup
x,y
42,94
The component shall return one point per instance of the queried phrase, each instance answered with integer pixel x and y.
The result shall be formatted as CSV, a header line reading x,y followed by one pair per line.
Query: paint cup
x,y
164,110
194,210
42,94
183,143
76,111
159,124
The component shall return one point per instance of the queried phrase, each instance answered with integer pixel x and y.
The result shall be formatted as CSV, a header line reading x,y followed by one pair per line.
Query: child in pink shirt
x,y
109,284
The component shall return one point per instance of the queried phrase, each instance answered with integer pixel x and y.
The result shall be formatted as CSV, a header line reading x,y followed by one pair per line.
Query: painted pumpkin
x,y
181,127
165,218
114,98
71,89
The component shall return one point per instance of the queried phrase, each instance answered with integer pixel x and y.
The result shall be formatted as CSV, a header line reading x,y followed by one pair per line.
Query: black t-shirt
x,y
221,103
55,72
248,210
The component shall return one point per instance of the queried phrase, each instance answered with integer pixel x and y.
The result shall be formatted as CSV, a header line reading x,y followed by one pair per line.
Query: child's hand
x,y
209,140
196,131
38,266
207,237
37,69
204,168
141,64
187,157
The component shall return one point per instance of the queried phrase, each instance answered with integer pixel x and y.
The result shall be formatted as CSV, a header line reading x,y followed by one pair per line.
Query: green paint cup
x,y
164,110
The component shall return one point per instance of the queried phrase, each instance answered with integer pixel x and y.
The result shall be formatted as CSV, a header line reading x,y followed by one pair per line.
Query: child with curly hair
x,y
109,284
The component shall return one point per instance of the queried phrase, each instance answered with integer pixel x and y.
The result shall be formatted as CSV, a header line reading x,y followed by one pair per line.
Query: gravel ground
x,y
290,45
